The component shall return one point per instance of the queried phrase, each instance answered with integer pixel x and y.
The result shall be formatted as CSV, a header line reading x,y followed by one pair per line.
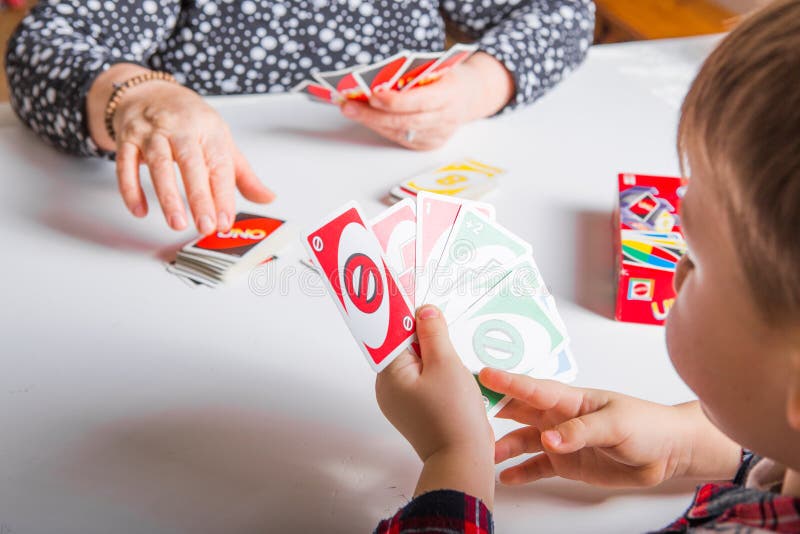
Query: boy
x,y
733,336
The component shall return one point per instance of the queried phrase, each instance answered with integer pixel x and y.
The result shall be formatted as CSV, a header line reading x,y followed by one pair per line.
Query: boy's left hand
x,y
434,401
605,438
477,88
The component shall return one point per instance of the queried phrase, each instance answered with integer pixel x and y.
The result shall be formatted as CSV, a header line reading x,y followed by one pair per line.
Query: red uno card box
x,y
648,246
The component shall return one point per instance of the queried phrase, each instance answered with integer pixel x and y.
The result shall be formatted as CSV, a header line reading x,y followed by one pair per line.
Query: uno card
x,y
345,84
478,254
383,75
417,64
315,91
247,232
510,328
358,278
465,178
436,215
396,230
456,55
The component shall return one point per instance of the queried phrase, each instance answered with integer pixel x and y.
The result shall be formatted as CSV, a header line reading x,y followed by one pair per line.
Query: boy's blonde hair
x,y
740,126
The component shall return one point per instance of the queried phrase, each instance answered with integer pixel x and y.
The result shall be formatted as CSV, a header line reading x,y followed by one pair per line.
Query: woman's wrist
x,y
494,85
98,96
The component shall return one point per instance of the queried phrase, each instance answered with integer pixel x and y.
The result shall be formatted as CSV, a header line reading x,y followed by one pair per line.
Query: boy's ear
x,y
793,397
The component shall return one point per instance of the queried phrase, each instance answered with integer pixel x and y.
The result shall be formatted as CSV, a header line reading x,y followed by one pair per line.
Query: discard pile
x,y
452,253
214,259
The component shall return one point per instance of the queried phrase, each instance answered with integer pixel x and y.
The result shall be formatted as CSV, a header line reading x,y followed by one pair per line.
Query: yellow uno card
x,y
465,178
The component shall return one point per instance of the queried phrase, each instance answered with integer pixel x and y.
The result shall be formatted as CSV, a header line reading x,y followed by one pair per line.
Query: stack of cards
x,y
400,72
452,253
464,178
214,259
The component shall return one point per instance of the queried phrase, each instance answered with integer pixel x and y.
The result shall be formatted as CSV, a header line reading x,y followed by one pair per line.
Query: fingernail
x,y
553,437
139,211
177,221
223,223
428,312
349,110
205,224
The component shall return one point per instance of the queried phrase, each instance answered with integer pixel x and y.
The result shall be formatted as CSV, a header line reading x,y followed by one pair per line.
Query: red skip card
x,y
365,290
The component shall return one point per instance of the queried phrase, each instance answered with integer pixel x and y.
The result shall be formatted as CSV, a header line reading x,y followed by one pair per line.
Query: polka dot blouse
x,y
258,46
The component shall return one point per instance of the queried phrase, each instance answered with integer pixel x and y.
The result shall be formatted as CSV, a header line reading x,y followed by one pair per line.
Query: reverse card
x,y
436,215
396,230
358,278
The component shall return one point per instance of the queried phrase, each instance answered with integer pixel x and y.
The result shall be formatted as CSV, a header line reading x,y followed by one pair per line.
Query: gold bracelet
x,y
119,90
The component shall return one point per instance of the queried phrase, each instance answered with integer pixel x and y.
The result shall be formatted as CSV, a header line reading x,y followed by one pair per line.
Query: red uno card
x,y
365,290
396,230
345,83
247,232
383,75
417,65
456,55
315,91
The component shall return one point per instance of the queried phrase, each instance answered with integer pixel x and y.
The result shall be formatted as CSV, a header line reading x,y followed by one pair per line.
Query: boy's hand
x,y
605,438
437,406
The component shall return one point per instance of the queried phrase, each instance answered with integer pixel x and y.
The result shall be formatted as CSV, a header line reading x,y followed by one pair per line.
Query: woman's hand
x,y
158,123
605,438
477,88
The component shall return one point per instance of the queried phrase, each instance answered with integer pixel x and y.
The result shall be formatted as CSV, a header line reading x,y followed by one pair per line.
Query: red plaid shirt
x,y
441,511
749,504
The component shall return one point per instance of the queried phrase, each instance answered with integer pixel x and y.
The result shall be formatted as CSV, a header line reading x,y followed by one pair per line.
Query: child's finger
x,y
591,430
540,394
521,441
518,411
434,341
532,469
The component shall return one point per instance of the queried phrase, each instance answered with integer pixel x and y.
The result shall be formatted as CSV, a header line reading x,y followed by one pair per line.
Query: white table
x,y
132,403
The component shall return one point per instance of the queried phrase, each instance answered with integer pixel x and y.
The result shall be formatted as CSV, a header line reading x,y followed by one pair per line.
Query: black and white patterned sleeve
x,y
61,47
538,41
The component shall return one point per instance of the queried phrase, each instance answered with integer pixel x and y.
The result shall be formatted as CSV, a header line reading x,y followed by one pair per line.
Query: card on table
x,y
436,215
464,178
345,83
220,256
396,230
478,254
366,292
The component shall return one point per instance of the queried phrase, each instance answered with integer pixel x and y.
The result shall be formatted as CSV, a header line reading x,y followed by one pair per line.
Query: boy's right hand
x,y
605,438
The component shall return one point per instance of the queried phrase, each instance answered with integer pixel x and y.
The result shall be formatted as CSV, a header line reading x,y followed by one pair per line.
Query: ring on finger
x,y
410,135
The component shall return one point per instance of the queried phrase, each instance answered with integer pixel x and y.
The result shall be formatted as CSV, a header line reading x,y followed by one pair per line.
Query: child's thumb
x,y
434,341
